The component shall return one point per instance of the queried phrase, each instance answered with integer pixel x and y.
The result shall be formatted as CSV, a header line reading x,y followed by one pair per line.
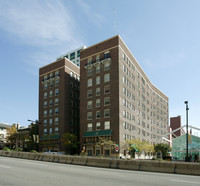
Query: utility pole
x,y
187,157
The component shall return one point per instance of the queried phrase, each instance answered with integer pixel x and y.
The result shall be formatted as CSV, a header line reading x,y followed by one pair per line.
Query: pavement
x,y
21,172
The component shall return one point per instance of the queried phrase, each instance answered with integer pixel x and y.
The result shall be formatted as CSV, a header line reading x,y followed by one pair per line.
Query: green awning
x,y
133,146
50,137
98,133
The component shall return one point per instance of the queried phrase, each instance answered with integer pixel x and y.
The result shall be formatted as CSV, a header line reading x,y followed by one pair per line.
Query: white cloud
x,y
38,22
48,26
92,14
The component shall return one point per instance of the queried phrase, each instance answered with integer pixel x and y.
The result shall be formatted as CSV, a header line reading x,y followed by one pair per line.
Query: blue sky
x,y
164,37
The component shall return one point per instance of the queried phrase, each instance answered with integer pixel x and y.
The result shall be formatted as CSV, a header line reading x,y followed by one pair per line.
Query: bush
x,y
83,153
6,149
33,151
18,149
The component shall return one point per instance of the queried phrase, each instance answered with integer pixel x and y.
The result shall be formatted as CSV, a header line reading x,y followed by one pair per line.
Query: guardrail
x,y
137,165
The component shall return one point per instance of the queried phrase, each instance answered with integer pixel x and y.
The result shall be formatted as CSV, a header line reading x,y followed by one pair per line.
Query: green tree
x,y
139,146
34,137
12,136
163,148
70,141
103,142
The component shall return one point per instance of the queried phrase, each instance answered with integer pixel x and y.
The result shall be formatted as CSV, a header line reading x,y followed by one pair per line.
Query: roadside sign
x,y
116,148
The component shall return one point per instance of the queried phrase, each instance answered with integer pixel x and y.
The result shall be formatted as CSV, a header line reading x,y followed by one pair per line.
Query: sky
x,y
164,37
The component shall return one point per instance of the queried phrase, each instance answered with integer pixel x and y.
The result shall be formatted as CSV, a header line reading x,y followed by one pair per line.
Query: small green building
x,y
179,147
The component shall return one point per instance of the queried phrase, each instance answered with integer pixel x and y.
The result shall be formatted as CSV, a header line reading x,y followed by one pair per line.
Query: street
x,y
19,172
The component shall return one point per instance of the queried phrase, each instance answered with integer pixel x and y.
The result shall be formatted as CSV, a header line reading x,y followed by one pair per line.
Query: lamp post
x,y
187,158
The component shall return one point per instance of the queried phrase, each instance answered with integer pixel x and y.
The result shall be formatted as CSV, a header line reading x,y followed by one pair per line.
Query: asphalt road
x,y
20,172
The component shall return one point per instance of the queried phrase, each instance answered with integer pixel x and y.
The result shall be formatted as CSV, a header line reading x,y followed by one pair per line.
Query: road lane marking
x,y
4,166
186,181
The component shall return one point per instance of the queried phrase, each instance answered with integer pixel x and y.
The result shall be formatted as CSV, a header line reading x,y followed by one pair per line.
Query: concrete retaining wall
x,y
138,165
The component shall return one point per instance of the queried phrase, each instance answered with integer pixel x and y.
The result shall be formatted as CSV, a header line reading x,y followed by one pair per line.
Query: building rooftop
x,y
4,125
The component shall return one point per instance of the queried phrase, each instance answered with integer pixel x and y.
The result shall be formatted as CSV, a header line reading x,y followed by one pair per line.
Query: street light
x,y
187,158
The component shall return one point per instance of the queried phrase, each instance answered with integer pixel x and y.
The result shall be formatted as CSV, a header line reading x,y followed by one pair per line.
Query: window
x,y
89,127
56,130
45,131
124,68
107,55
89,71
123,56
124,125
106,66
106,77
45,86
50,93
97,80
98,67
107,125
45,113
78,53
98,91
45,122
57,82
97,58
98,114
45,95
107,89
50,102
89,93
56,101
56,92
89,82
51,83
107,113
97,102
98,126
57,73
50,121
89,61
107,101
75,76
89,115
45,104
45,77
50,112
56,121
56,110
124,137
71,74
72,56
89,104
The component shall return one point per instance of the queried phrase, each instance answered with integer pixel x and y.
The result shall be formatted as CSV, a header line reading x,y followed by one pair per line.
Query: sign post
x,y
117,148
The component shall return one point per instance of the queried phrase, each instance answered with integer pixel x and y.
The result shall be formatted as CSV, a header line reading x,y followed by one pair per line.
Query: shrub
x,y
33,151
83,153
6,149
18,149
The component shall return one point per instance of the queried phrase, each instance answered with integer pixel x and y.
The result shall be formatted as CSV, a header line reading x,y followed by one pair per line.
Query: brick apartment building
x,y
117,99
58,103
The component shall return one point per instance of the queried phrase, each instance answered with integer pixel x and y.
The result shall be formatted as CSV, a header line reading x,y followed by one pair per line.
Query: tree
x,y
70,141
34,137
103,143
163,148
12,135
139,146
